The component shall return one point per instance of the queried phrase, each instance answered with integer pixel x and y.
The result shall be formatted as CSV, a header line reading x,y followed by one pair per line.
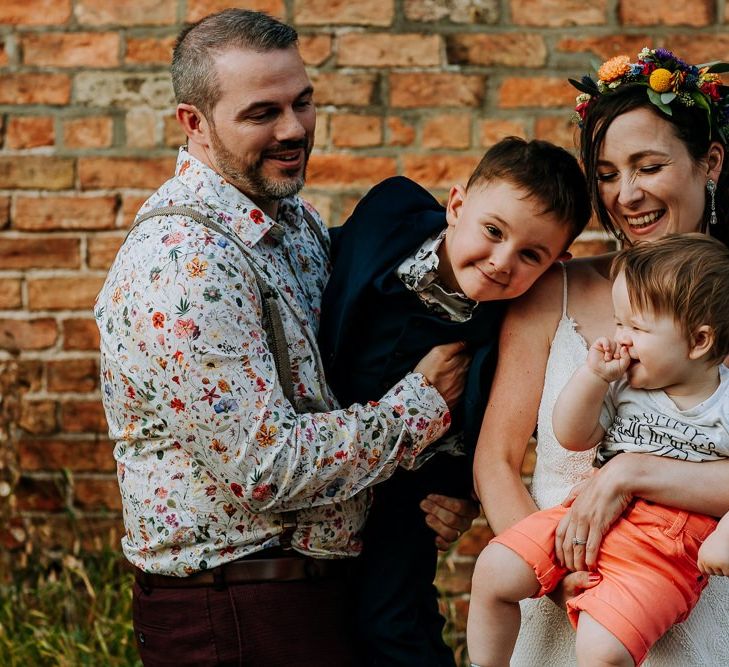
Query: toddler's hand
x,y
607,359
714,554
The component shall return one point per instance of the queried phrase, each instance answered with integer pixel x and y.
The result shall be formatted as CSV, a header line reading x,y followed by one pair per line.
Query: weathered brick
x,y
447,131
80,334
668,12
174,135
35,88
38,417
315,49
508,49
130,207
4,212
30,374
10,293
59,532
29,132
535,91
149,50
322,203
439,171
36,172
344,89
102,250
124,89
492,130
33,334
352,131
321,136
83,417
65,212
411,90
126,12
344,170
559,130
74,293
141,128
473,541
399,132
694,50
456,578
72,375
337,12
40,495
197,9
587,248
458,11
74,455
88,132
607,46
102,172
96,494
40,252
4,55
356,49
41,12
559,13
71,49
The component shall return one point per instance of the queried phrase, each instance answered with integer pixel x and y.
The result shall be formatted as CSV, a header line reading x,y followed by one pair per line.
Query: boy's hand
x,y
607,359
445,367
714,554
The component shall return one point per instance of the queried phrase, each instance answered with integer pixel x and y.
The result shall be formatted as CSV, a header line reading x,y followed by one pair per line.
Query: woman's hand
x,y
595,505
448,517
573,584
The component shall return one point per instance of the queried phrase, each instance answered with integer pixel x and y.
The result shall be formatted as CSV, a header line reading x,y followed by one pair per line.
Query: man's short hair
x,y
685,276
194,77
545,172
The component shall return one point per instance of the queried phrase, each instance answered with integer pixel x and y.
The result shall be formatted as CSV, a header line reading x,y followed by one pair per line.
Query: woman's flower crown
x,y
668,80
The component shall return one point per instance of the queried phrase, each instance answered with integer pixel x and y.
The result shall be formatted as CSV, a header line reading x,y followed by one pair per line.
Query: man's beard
x,y
249,179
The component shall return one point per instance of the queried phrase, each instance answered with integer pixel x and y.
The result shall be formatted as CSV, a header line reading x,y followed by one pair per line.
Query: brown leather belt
x,y
250,570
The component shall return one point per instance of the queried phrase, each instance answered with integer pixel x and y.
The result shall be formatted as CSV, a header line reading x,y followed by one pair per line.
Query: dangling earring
x,y
711,188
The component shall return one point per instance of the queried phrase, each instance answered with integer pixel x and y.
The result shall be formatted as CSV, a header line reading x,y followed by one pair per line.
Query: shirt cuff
x,y
423,411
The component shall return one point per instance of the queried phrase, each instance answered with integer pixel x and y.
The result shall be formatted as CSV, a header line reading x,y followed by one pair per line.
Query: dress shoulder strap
x,y
564,289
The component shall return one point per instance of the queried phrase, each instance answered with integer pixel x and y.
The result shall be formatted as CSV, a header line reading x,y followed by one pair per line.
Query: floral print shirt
x,y
211,457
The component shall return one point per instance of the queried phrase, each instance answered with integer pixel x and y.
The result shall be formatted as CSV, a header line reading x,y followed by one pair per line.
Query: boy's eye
x,y
531,256
493,230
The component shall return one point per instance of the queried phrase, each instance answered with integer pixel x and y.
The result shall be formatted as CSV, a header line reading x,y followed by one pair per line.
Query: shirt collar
x,y
231,206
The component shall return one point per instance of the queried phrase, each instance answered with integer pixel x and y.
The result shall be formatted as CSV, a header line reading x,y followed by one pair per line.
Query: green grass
x,y
71,613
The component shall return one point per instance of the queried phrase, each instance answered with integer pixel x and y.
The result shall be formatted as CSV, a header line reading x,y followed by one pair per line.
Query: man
x,y
230,446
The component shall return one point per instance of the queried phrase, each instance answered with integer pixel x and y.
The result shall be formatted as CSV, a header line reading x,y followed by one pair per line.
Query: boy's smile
x,y
498,241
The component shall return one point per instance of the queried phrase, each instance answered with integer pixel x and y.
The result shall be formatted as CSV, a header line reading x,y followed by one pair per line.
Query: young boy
x,y
660,387
409,274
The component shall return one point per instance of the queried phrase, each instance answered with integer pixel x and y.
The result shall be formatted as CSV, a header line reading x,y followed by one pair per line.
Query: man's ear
x,y
456,197
194,124
702,340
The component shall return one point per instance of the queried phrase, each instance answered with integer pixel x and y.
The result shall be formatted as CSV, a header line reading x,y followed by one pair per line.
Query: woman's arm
x,y
599,501
511,414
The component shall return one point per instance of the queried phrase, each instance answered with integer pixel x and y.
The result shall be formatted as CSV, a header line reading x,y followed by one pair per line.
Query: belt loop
x,y
678,524
144,583
219,578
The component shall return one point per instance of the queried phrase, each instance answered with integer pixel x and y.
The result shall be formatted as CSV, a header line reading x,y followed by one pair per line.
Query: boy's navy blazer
x,y
373,329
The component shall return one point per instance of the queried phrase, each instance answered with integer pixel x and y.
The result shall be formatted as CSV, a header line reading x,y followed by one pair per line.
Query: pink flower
x,y
186,329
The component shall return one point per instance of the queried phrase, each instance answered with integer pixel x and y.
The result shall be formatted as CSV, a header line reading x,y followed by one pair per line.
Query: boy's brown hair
x,y
545,172
685,276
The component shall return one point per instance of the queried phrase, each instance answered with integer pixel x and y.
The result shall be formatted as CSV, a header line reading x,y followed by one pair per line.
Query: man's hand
x,y
445,367
448,517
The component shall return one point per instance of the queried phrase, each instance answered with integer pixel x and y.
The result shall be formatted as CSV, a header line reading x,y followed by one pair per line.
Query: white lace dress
x,y
546,638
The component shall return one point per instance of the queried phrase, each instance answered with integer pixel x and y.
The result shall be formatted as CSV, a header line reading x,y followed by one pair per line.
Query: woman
x,y
650,173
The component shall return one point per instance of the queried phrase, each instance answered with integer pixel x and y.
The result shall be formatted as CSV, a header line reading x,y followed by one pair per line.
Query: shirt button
x,y
142,638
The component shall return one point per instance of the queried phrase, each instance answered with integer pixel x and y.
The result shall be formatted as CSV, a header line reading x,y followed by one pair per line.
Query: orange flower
x,y
614,68
660,80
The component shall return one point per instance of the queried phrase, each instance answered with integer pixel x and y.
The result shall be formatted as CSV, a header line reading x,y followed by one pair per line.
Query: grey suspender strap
x,y
272,322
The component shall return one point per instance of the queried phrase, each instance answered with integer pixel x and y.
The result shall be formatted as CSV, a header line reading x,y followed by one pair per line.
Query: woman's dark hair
x,y
691,126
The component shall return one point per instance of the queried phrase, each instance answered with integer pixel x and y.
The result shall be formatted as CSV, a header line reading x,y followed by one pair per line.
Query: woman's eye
x,y
651,168
606,176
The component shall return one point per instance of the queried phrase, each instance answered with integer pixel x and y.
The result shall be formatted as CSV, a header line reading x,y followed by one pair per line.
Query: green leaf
x,y
667,98
582,87
655,98
716,67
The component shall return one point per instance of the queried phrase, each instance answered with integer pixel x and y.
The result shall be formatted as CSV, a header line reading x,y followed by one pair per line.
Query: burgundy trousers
x,y
271,624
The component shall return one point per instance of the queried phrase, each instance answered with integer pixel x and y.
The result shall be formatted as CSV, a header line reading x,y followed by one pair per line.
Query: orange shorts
x,y
647,561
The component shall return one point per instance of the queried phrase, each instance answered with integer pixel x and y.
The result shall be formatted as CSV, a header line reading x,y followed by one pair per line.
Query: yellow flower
x,y
660,80
614,68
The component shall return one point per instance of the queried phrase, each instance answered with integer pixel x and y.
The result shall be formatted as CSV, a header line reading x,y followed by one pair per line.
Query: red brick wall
x,y
418,87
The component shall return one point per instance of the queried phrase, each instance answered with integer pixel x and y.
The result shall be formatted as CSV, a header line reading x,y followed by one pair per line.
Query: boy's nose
x,y
501,261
